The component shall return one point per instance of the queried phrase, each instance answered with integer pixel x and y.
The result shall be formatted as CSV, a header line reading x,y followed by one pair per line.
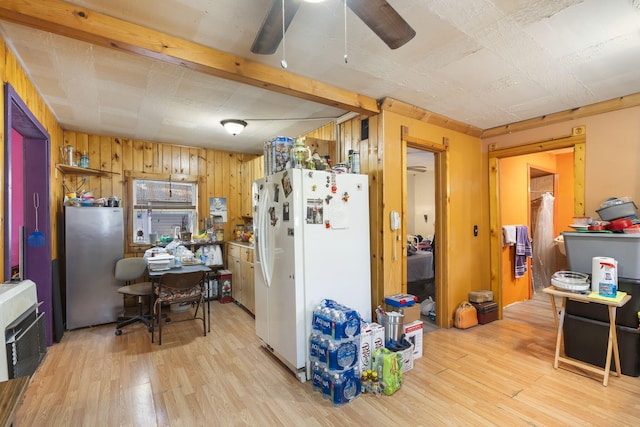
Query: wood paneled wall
x,y
226,174
13,73
370,164
218,173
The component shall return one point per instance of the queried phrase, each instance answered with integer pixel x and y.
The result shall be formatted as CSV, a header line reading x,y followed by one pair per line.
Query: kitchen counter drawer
x,y
234,250
247,255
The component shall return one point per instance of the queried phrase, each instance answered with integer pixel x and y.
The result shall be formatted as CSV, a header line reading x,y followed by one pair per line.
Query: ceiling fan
x,y
376,14
418,169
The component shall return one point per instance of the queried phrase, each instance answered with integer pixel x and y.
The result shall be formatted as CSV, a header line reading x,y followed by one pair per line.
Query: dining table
x,y
155,275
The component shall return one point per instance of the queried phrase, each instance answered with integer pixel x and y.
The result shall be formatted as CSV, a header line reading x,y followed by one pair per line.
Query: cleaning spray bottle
x,y
608,286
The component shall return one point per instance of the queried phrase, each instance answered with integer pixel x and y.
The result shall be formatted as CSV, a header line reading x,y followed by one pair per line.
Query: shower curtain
x,y
543,262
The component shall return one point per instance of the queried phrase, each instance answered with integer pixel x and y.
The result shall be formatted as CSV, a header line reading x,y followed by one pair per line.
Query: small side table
x,y
560,356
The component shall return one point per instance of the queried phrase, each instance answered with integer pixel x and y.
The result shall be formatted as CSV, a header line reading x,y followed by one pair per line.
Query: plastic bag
x,y
183,253
172,246
388,365
427,306
153,251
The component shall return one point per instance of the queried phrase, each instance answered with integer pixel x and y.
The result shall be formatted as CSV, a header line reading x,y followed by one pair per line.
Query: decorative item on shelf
x,y
239,231
67,153
84,160
217,230
300,153
113,202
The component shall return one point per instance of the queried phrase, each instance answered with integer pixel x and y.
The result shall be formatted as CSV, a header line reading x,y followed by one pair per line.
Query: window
x,y
163,208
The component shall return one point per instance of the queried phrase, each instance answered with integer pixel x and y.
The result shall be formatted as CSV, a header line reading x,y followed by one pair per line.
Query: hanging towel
x,y
508,235
523,250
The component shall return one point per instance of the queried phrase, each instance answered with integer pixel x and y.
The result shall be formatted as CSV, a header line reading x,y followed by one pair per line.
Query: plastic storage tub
x,y
625,248
586,340
401,300
623,210
627,315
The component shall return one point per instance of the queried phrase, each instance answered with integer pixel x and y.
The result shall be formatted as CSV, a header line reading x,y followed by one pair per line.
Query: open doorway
x,y
542,214
27,201
570,185
439,243
421,200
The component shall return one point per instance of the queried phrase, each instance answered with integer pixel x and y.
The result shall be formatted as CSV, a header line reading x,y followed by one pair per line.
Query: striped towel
x,y
523,250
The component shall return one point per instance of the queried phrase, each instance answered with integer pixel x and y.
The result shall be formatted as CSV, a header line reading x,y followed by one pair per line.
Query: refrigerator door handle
x,y
264,237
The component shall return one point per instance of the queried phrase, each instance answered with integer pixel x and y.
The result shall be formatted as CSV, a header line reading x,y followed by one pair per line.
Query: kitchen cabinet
x,y
251,170
240,263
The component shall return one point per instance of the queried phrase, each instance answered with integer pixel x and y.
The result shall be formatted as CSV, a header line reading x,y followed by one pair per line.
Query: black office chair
x,y
128,270
175,288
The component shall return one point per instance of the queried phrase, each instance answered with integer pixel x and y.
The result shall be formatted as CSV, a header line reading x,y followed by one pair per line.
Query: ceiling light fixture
x,y
233,126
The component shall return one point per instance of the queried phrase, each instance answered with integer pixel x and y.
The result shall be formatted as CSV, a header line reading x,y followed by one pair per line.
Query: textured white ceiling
x,y
483,62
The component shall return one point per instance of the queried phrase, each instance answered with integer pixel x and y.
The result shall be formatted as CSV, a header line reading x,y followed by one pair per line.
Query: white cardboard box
x,y
366,345
377,336
413,333
371,339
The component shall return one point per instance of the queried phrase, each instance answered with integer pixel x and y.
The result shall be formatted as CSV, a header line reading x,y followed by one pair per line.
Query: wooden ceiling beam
x,y
615,104
418,113
65,19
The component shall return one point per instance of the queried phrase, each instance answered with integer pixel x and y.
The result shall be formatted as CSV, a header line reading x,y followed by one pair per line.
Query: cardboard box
x,y
377,336
411,313
413,333
366,348
371,339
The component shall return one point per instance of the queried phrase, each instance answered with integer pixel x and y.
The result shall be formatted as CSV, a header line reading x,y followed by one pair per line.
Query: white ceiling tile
x,y
483,62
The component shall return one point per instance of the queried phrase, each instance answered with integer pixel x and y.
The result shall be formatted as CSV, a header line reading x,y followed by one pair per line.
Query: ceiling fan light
x,y
233,126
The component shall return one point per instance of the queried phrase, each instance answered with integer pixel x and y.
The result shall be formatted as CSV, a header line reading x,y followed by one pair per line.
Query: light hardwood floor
x,y
500,373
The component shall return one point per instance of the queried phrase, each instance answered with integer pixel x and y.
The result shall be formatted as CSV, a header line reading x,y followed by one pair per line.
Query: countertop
x,y
240,243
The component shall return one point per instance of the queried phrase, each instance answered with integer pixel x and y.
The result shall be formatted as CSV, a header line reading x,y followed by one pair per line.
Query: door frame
x,y
577,141
36,178
441,225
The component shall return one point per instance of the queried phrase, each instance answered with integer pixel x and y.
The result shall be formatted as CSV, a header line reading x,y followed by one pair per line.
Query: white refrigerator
x,y
312,243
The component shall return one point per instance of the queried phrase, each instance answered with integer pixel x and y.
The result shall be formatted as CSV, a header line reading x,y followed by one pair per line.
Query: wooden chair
x,y
128,270
175,288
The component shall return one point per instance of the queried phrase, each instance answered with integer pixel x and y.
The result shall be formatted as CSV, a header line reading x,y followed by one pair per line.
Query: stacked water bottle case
x,y
334,350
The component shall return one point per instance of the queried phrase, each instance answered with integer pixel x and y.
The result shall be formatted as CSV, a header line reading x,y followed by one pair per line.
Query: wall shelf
x,y
75,170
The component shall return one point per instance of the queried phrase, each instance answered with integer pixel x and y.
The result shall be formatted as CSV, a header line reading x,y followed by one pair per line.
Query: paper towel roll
x,y
597,272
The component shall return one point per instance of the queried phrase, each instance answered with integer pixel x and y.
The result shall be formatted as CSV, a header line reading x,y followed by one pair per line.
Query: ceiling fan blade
x,y
383,20
270,33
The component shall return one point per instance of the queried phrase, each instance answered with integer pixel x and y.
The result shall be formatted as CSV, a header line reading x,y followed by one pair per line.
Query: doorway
x,y
27,168
421,200
438,153
542,189
574,204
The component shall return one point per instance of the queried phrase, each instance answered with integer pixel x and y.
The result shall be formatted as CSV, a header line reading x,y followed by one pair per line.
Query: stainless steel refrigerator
x,y
94,241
